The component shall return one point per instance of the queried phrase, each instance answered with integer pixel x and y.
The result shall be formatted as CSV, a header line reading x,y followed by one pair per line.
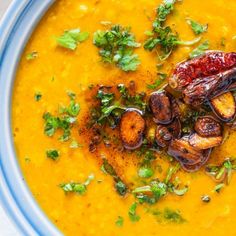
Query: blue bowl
x,y
15,30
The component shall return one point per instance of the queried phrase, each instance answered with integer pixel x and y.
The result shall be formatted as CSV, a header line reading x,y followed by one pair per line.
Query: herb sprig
x,y
197,27
53,154
222,173
132,213
157,189
158,82
198,51
112,107
120,186
116,47
64,121
79,188
71,38
162,37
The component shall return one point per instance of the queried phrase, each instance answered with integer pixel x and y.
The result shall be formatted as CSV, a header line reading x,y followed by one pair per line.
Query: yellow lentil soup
x,y
52,134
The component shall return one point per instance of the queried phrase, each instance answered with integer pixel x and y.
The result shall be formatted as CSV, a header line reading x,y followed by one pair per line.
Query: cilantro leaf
x,y
145,172
162,35
65,121
82,36
105,98
120,221
37,96
163,38
156,189
73,109
71,38
169,215
121,188
108,168
71,95
53,154
165,9
79,188
31,56
74,144
116,47
197,27
107,104
200,49
180,192
74,187
173,216
136,100
132,213
129,62
158,82
52,124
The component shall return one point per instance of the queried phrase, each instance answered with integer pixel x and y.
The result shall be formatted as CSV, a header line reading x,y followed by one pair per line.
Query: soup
x,y
91,183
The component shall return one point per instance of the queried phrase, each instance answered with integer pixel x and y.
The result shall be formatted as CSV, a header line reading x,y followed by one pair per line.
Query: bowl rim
x,y
15,29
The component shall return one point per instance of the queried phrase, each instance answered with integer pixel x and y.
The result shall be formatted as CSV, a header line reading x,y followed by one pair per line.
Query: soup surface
x,y
42,84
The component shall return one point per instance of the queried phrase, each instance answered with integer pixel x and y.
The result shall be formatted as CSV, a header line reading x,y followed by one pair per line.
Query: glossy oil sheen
x,y
56,71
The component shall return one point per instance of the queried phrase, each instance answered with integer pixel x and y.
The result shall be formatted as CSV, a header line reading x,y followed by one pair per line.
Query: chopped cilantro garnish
x,y
168,215
74,144
163,36
158,82
200,49
120,221
116,47
79,188
218,187
31,56
105,98
74,187
165,9
132,213
71,95
128,61
156,189
53,154
112,106
108,168
149,156
222,172
196,27
108,106
151,193
173,216
71,38
180,192
37,96
137,100
73,109
120,186
65,120
171,171
52,124
145,172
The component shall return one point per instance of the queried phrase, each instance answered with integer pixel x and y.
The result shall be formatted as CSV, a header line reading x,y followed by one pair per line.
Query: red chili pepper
x,y
211,63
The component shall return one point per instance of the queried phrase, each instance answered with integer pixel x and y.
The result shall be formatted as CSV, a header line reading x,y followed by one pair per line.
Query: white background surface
x,y
6,226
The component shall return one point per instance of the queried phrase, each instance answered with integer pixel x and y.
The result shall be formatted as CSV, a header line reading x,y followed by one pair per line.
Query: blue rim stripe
x,y
14,194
